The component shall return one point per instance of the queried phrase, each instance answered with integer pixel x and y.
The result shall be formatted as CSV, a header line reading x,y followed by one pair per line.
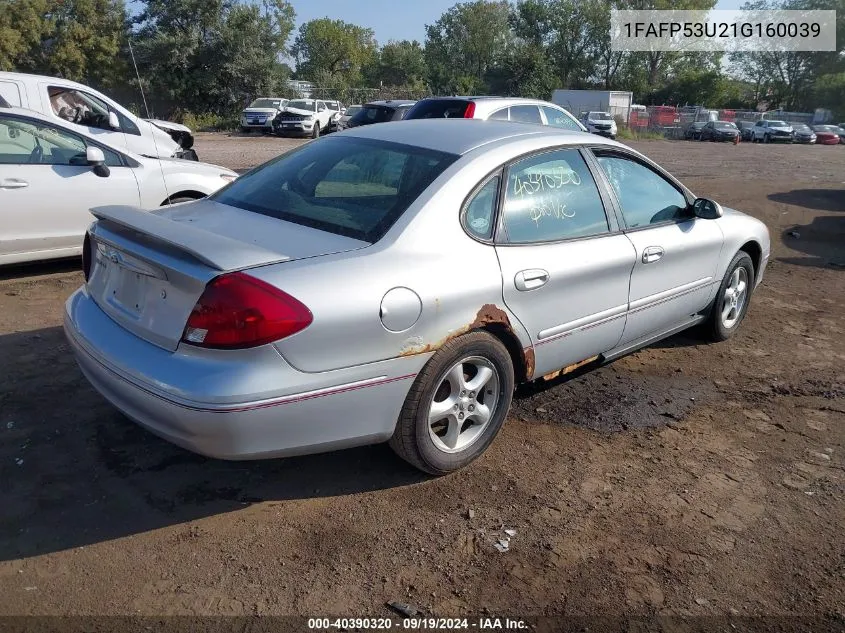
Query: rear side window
x,y
438,109
526,114
558,118
481,209
552,197
348,186
372,114
499,115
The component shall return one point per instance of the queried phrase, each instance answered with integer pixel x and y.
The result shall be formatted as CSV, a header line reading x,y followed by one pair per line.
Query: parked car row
x,y
765,132
313,117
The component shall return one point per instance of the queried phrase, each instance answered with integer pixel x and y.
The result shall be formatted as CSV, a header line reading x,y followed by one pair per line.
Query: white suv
x,y
93,113
304,117
495,108
601,123
771,131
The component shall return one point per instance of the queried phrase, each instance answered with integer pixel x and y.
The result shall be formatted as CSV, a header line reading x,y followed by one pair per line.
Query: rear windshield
x,y
372,114
348,186
438,109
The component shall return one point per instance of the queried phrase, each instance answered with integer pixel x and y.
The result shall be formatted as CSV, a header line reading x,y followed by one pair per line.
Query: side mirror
x,y
95,157
114,122
707,209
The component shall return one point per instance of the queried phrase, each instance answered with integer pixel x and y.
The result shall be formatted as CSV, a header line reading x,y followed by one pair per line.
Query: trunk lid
x,y
149,268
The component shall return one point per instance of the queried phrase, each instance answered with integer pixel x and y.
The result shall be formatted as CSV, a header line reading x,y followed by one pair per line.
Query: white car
x,y
601,123
260,113
304,117
92,113
516,109
51,175
772,131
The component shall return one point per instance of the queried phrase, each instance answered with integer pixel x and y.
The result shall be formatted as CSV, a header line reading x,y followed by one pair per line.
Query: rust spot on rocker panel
x,y
570,368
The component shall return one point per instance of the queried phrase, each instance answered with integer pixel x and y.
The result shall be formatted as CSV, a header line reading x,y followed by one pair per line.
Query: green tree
x,y
400,63
335,47
466,44
76,39
213,55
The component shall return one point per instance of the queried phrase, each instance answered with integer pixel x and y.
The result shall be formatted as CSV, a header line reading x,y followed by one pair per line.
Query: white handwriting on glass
x,y
549,208
534,182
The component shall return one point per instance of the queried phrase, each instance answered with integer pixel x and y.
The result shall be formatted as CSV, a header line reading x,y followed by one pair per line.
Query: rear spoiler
x,y
217,251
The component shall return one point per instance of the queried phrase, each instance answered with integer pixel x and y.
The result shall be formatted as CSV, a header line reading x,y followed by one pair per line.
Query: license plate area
x,y
125,284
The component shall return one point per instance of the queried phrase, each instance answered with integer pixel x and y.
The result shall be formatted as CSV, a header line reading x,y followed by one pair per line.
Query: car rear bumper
x,y
170,393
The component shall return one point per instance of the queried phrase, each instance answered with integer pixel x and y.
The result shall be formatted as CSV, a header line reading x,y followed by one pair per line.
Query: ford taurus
x,y
394,283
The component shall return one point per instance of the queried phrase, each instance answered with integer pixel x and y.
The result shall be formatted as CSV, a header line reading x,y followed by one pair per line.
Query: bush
x,y
629,134
207,121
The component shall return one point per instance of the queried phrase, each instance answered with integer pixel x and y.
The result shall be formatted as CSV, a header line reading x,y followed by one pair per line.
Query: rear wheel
x,y
732,299
456,405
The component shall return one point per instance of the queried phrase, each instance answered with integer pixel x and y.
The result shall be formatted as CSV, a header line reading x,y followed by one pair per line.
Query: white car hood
x,y
164,144
260,111
169,125
299,111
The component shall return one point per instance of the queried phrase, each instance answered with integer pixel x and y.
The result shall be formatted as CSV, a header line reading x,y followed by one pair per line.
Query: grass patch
x,y
628,134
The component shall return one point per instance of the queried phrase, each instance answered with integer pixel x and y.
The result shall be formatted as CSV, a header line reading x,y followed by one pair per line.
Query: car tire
x,y
727,313
443,445
315,133
767,139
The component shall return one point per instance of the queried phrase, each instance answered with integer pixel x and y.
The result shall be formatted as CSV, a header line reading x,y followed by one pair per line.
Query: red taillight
x,y
237,311
86,257
470,111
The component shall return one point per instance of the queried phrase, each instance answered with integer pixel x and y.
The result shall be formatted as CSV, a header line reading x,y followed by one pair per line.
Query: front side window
x,y
347,186
644,196
551,197
481,209
526,114
558,118
78,107
29,142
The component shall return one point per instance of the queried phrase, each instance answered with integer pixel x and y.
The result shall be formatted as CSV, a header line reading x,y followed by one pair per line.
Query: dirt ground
x,y
685,479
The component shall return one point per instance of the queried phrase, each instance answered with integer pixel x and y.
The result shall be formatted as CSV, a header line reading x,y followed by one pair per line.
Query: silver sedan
x,y
323,299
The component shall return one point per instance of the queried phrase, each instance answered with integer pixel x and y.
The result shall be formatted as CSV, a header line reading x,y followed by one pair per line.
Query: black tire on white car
x,y
457,404
315,133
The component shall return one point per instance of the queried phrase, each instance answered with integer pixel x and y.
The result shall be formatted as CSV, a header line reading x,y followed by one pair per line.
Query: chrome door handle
x,y
530,279
13,183
652,254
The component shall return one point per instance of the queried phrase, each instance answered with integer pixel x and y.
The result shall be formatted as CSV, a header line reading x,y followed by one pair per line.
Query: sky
x,y
395,19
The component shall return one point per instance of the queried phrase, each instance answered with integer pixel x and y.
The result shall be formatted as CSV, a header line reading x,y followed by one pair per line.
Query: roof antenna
x,y
138,75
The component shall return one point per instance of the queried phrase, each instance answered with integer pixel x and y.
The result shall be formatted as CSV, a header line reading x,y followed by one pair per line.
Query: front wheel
x,y
732,299
315,133
767,139
456,405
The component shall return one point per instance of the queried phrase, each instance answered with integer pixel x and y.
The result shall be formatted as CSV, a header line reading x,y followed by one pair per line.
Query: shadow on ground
x,y
823,240
816,199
